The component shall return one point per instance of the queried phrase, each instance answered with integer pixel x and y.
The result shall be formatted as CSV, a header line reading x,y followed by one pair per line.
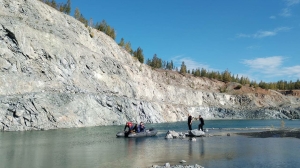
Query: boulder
x,y
196,133
169,136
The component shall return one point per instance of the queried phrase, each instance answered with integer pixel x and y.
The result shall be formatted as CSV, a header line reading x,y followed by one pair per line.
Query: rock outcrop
x,y
54,74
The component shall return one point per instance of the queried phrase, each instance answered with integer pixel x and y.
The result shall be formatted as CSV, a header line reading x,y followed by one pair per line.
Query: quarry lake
x,y
97,147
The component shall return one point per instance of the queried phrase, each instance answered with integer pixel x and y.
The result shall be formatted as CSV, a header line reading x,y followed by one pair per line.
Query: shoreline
x,y
248,132
255,132
275,133
167,165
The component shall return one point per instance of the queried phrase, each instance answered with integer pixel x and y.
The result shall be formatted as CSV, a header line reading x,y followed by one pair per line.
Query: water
x,y
97,147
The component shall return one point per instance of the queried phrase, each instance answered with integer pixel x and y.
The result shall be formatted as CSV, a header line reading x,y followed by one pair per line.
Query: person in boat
x,y
200,126
129,127
190,121
141,127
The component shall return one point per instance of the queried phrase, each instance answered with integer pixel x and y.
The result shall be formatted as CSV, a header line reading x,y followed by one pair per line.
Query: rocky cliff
x,y
54,74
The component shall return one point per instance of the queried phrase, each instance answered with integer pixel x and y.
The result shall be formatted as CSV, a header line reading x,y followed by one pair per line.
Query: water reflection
x,y
135,146
193,145
99,147
190,147
202,150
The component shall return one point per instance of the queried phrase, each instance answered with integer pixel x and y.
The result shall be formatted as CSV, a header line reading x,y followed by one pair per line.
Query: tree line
x,y
158,63
280,85
65,8
224,76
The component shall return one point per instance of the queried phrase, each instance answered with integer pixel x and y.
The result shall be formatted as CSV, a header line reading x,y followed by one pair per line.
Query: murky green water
x,y
98,147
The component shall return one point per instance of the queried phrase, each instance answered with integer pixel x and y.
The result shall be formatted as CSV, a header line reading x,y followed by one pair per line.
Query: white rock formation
x,y
53,74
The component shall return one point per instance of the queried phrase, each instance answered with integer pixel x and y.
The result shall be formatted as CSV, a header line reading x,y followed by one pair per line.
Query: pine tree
x,y
183,69
128,47
47,2
262,84
197,72
297,84
83,20
156,62
203,72
68,7
122,43
103,25
61,7
53,4
148,62
108,30
139,54
168,65
253,84
112,34
226,77
77,14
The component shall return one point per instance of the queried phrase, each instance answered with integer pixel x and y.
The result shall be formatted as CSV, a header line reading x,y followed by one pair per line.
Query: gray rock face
x,y
53,74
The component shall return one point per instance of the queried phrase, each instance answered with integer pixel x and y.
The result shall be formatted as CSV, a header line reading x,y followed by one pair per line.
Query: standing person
x,y
200,126
190,122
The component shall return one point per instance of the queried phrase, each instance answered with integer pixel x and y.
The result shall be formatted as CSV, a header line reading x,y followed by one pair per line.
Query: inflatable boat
x,y
146,133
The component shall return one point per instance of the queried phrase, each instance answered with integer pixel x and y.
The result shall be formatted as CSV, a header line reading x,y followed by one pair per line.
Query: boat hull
x,y
147,133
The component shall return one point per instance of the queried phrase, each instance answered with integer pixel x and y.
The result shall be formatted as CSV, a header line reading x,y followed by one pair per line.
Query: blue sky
x,y
259,39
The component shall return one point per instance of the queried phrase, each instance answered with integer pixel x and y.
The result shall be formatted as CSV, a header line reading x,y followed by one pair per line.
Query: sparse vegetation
x,y
183,69
107,29
139,55
128,47
156,62
122,43
80,17
280,85
65,8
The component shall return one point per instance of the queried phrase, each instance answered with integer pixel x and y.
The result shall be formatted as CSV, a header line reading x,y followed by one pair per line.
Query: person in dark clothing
x,y
200,126
141,127
129,127
190,122
135,128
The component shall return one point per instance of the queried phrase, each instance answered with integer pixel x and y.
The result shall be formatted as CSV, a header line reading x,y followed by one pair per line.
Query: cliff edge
x,y
54,74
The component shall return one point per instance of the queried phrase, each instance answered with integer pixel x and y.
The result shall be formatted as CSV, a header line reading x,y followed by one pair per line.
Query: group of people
x,y
130,127
190,120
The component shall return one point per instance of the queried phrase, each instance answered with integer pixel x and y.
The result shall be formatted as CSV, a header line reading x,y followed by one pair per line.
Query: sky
x,y
258,39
